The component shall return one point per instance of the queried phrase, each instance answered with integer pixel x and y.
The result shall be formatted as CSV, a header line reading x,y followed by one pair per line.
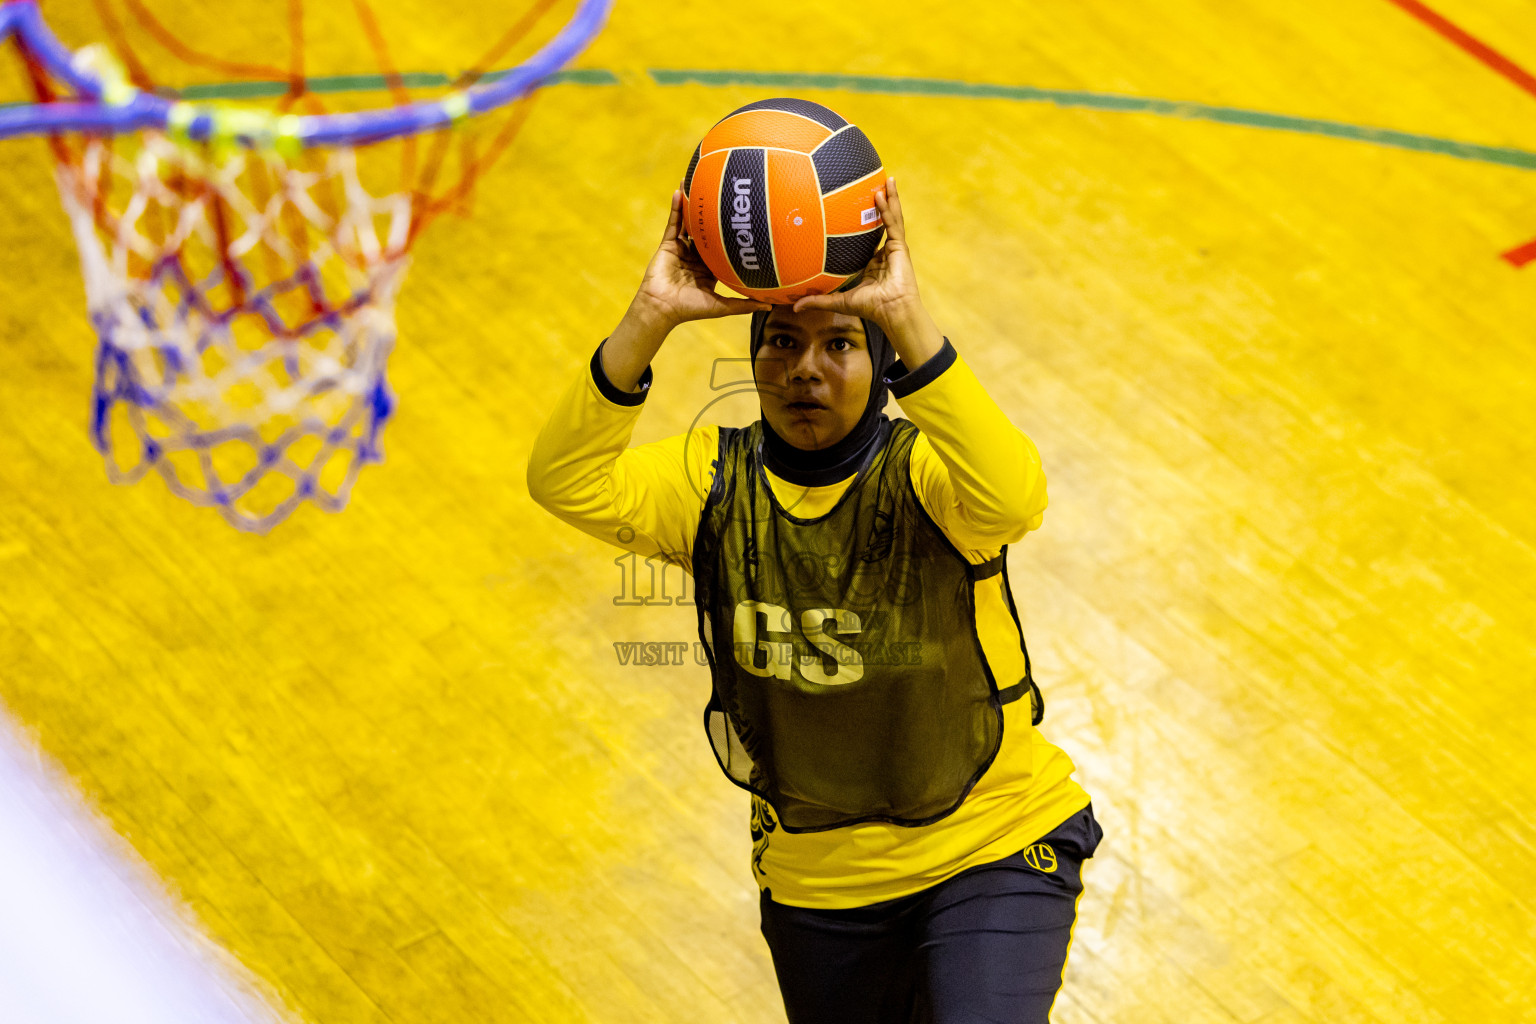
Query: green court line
x,y
362,83
1103,101
375,83
892,86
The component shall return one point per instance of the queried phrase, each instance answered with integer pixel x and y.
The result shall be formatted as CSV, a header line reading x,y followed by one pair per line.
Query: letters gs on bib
x,y
762,639
781,200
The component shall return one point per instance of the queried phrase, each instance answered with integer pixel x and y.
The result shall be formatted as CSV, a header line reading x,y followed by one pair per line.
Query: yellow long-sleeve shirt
x,y
980,479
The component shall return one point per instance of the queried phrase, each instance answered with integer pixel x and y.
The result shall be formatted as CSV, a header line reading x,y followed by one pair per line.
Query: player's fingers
x,y
836,302
675,218
682,219
890,211
729,306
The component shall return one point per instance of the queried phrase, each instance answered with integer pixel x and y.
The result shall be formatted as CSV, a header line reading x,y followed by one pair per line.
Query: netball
x,y
781,200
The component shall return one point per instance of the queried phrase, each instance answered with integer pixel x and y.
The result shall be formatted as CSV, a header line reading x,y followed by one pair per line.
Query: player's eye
x,y
841,344
781,341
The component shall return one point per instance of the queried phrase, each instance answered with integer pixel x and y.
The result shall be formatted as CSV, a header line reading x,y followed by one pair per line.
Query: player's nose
x,y
805,365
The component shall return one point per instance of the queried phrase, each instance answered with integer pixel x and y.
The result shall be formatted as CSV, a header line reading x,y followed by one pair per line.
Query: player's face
x,y
813,375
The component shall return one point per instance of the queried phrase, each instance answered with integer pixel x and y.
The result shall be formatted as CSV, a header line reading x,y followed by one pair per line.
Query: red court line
x,y
1495,61
1520,255
1490,57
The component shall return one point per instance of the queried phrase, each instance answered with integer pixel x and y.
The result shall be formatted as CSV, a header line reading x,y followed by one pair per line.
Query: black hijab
x,y
817,467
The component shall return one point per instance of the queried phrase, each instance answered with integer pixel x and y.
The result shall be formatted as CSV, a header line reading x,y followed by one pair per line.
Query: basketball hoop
x,y
240,275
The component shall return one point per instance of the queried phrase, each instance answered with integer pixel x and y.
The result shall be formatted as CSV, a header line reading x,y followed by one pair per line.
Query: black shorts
x,y
989,944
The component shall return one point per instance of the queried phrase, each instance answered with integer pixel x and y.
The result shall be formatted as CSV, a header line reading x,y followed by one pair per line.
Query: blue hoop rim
x,y
199,121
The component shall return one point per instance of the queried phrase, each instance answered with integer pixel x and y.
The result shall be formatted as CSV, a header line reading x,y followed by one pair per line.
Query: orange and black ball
x,y
781,200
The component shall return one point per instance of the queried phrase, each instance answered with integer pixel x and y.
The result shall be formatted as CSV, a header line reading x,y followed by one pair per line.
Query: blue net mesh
x,y
244,313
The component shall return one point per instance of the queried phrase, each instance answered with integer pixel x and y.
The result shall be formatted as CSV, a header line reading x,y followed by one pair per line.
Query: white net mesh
x,y
244,309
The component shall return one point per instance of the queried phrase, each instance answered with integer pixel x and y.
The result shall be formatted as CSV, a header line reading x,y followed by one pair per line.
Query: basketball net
x,y
241,283
243,317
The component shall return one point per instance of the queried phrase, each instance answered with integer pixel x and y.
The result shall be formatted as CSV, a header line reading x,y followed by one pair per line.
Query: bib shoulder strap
x,y
728,449
1007,695
986,570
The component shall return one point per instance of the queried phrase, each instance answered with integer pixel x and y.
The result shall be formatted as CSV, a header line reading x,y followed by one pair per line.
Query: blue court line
x,y
889,86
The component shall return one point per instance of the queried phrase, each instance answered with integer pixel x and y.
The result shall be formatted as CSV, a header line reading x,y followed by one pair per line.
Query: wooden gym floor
x,y
1235,268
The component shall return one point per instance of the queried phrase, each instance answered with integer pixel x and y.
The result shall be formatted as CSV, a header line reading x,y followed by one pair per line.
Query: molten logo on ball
x,y
741,220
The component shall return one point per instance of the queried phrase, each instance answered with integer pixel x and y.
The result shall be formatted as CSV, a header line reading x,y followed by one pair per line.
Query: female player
x,y
917,842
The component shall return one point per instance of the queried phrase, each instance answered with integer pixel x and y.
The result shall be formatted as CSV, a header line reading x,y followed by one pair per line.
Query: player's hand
x,y
678,287
887,293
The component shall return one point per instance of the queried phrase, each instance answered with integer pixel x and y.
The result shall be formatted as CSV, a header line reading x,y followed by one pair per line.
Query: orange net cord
x,y
394,81
420,173
187,55
292,222
140,77
470,170
511,38
466,182
232,274
137,73
297,86
43,88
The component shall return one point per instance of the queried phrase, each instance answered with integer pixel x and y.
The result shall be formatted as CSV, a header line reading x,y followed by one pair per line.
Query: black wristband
x,y
902,382
612,393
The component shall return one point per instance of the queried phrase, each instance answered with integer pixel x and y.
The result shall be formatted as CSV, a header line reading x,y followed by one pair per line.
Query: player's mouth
x,y
805,405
